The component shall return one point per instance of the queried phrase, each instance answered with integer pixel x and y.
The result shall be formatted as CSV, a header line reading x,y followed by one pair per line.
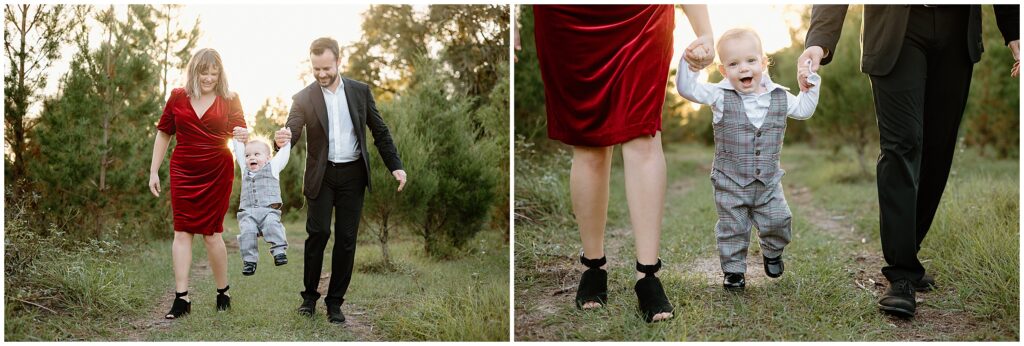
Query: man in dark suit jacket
x,y
335,111
919,59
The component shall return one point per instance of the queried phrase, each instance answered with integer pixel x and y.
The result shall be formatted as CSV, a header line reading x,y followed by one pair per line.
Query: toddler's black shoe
x,y
280,259
734,282
248,268
773,266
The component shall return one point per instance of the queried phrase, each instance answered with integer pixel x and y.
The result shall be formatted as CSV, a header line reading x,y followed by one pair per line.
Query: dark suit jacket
x,y
309,111
884,27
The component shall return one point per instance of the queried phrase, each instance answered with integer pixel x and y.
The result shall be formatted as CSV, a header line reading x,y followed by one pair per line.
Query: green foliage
x,y
473,41
175,42
493,117
92,137
50,274
845,114
993,116
531,116
385,207
32,39
542,192
465,190
449,60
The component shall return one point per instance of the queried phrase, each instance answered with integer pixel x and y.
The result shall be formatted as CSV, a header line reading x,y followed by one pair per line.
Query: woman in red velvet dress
x,y
202,116
604,70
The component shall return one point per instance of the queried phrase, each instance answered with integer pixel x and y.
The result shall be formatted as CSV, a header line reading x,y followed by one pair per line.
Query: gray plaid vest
x,y
260,189
743,152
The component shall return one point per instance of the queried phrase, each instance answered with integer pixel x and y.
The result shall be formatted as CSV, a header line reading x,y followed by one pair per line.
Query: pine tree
x,y
33,36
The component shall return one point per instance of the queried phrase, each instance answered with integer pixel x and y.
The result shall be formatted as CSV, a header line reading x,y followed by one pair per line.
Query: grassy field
x,y
461,299
832,278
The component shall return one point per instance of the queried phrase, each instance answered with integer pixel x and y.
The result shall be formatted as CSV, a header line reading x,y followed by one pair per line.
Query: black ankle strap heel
x,y
650,293
179,307
594,282
223,300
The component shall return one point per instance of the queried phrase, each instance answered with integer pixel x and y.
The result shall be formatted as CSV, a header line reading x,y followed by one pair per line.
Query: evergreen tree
x,y
95,135
993,107
33,36
386,210
465,180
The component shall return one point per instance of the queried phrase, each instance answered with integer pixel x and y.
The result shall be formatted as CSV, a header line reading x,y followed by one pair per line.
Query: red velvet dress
x,y
202,169
604,69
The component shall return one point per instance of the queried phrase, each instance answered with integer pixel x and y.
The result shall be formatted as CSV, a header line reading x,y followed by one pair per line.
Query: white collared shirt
x,y
341,135
276,163
799,107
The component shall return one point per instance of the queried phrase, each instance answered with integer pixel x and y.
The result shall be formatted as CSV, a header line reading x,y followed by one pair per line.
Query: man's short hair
x,y
320,44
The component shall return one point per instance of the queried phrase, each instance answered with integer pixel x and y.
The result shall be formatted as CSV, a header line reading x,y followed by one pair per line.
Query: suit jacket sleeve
x,y
1008,21
381,135
826,26
296,119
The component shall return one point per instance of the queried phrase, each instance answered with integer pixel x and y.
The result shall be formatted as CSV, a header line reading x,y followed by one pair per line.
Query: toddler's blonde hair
x,y
737,33
261,140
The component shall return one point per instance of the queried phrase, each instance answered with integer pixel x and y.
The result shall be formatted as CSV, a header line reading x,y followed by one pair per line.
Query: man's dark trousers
x,y
919,105
342,193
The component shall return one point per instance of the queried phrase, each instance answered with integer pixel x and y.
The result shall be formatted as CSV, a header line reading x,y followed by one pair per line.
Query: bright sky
x,y
771,22
264,46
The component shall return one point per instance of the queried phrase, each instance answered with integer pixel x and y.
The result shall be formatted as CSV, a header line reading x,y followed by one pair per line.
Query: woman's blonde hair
x,y
203,60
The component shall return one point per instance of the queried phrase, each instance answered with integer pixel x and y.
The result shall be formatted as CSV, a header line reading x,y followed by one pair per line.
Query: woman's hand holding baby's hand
x,y
700,53
241,134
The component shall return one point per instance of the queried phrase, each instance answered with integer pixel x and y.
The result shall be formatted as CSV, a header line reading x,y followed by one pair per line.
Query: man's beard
x,y
333,78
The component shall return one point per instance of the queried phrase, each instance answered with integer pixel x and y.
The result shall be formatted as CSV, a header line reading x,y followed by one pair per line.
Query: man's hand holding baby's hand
x,y
1015,50
282,137
805,69
241,134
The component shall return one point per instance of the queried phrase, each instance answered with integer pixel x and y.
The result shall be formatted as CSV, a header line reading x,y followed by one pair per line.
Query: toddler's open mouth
x,y
253,165
747,81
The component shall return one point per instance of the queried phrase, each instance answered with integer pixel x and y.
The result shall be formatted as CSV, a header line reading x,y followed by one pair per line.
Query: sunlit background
x,y
264,47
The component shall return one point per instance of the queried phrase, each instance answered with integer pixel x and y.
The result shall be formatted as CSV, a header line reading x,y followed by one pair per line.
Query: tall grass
x,y
972,249
101,293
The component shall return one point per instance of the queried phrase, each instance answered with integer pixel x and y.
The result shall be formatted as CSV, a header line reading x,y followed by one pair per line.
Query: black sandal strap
x,y
593,263
222,290
648,270
180,294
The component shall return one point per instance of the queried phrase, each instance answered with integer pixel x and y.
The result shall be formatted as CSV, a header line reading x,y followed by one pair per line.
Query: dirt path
x,y
154,320
930,323
563,272
356,318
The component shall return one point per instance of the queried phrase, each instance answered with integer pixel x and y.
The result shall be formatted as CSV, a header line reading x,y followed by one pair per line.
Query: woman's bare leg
x,y
644,163
181,260
218,256
588,185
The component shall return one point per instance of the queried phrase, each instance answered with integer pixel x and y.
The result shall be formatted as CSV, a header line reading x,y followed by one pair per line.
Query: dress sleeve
x,y
166,123
235,116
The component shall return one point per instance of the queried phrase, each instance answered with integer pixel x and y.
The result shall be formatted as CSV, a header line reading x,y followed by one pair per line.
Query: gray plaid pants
x,y
252,222
739,208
